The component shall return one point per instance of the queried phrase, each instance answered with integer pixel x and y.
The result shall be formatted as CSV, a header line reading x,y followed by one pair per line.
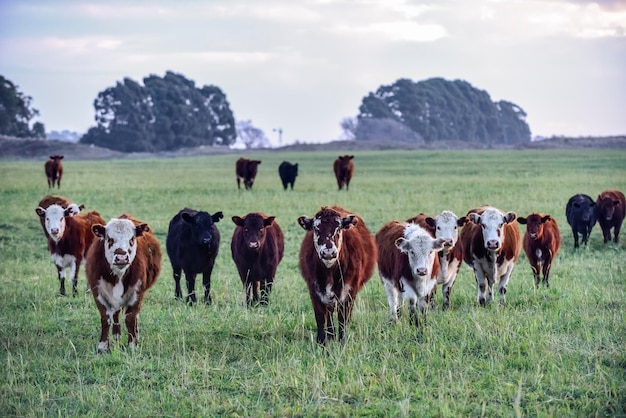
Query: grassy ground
x,y
549,352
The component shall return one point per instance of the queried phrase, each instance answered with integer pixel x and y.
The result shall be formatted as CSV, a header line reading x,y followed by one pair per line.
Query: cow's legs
x,y
546,270
320,320
61,274
131,325
504,281
117,329
534,266
105,323
616,230
480,284
343,316
191,288
75,268
178,293
393,296
447,289
206,283
266,289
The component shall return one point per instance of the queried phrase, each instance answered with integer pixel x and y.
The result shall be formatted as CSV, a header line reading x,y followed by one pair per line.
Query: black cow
x,y
246,170
288,173
581,215
192,243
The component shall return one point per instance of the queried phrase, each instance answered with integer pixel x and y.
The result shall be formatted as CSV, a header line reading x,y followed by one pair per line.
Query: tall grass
x,y
548,352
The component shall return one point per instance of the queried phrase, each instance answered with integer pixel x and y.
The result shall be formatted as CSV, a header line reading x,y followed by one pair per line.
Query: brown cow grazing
x,y
408,265
445,225
337,257
344,168
542,241
54,170
122,265
611,207
491,246
257,247
69,237
246,170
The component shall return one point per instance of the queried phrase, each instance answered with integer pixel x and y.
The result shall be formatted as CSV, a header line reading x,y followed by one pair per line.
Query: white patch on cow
x,y
103,346
113,298
132,345
446,226
55,222
393,296
539,254
420,248
120,242
321,249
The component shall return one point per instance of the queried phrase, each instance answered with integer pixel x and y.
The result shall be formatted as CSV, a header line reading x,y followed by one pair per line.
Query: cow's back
x,y
392,263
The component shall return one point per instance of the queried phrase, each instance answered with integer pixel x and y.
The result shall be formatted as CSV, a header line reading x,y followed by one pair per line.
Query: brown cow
x,y
611,207
57,200
122,265
337,257
408,265
445,225
491,246
542,241
246,170
54,170
69,237
257,247
344,168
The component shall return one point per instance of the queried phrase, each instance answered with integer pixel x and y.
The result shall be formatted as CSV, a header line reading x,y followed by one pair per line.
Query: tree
x,y
166,113
439,109
250,136
16,112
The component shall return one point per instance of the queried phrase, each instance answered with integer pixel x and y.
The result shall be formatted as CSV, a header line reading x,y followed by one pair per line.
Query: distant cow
x,y
288,173
257,247
542,241
337,257
246,170
491,246
446,226
69,237
344,168
192,243
611,206
581,215
122,265
54,170
408,265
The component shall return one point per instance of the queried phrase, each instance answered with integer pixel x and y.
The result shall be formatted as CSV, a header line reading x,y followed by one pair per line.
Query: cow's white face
x,y
447,227
420,249
120,242
54,219
327,227
492,223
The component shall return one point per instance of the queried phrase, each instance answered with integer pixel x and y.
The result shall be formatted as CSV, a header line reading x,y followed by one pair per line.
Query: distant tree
x,y
16,112
348,128
438,109
250,136
166,113
386,129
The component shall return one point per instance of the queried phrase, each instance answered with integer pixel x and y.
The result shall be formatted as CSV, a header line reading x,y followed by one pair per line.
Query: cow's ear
x,y
403,245
98,230
439,244
430,222
185,216
306,223
60,157
238,220
615,202
509,217
348,221
474,217
543,220
217,216
258,161
269,220
71,210
522,220
52,157
461,221
41,212
350,157
141,229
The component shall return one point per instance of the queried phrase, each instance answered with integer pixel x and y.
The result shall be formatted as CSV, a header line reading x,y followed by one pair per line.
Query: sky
x,y
302,66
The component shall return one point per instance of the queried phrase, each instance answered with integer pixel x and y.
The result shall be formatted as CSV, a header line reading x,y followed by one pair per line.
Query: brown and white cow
x,y
611,207
69,237
257,247
246,170
344,168
54,170
491,246
542,241
57,200
337,257
122,265
446,226
408,265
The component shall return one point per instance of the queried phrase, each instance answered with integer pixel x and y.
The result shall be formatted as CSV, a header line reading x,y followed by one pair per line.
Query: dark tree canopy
x,y
438,109
16,112
166,113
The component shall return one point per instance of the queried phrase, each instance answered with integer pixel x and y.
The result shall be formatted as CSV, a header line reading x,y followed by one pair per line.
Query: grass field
x,y
549,352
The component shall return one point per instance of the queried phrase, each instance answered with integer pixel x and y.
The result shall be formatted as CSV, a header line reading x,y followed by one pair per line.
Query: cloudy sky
x,y
304,65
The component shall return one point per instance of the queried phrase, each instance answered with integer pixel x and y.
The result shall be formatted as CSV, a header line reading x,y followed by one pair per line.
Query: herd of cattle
x,y
337,256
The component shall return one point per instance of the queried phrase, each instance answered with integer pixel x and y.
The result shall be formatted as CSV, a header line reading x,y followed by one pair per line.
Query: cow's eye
x,y
131,241
260,230
438,228
245,229
110,242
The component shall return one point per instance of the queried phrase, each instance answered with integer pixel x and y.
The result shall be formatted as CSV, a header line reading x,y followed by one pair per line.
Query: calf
x,y
288,173
246,170
257,247
446,226
192,244
581,215
344,168
54,170
491,246
57,200
337,257
69,237
408,265
611,206
542,241
122,265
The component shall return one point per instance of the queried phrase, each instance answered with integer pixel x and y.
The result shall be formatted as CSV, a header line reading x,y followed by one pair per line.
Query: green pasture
x,y
548,353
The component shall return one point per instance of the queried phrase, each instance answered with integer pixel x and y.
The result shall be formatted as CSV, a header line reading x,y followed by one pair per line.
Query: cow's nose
x,y
120,257
206,240
421,271
329,253
447,242
533,235
54,231
253,244
493,244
